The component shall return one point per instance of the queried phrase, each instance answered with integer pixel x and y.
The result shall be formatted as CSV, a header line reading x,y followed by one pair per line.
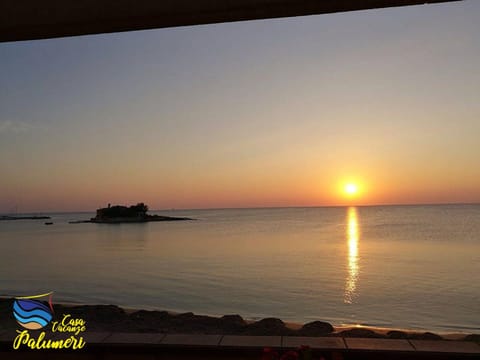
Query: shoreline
x,y
130,220
169,210
12,218
131,320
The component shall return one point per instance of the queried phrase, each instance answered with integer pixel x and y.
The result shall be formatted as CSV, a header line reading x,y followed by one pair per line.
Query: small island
x,y
127,214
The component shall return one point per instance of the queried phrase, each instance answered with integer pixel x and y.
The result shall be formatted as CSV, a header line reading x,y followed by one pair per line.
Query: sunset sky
x,y
281,112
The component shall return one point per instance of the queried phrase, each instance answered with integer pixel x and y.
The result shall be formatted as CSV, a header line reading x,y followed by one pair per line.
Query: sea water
x,y
415,267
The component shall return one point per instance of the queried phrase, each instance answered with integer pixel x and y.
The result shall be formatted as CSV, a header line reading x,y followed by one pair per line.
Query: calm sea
x,y
414,267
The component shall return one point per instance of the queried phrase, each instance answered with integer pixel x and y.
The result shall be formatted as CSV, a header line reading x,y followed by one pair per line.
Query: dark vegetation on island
x,y
112,318
127,214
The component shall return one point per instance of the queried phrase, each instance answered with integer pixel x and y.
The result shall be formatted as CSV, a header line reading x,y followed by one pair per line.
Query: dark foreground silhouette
x,y
115,319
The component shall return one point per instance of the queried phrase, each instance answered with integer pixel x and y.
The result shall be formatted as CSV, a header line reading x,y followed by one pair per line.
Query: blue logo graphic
x,y
33,314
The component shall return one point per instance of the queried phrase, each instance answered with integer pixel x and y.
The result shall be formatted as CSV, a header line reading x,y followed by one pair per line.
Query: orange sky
x,y
263,113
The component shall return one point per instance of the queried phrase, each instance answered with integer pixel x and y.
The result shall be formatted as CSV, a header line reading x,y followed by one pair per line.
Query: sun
x,y
350,189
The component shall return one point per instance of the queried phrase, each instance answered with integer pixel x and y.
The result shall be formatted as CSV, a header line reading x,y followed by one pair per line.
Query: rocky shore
x,y
120,220
115,319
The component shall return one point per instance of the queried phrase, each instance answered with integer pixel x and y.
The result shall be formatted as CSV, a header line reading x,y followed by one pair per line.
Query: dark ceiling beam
x,y
41,19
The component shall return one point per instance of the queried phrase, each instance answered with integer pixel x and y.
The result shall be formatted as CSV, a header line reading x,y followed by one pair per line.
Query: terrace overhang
x,y
33,19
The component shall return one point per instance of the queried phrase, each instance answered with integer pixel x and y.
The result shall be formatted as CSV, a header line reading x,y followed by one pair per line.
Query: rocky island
x,y
127,214
133,213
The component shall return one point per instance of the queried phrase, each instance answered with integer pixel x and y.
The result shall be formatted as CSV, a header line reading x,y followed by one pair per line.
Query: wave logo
x,y
33,314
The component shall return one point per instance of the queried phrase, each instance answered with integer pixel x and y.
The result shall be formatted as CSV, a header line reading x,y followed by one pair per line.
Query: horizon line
x,y
256,207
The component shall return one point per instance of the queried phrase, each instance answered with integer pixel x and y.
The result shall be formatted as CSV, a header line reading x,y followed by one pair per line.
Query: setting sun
x,y
351,189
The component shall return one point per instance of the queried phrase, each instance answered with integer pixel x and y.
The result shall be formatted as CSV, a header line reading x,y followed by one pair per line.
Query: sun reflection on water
x,y
353,267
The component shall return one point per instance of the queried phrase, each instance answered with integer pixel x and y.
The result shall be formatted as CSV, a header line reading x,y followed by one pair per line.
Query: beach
x,y
111,318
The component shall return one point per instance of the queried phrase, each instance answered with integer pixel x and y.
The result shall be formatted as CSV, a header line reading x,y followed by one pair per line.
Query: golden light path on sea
x,y
353,267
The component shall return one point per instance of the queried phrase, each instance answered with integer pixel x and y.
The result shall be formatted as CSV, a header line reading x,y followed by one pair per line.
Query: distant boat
x,y
49,223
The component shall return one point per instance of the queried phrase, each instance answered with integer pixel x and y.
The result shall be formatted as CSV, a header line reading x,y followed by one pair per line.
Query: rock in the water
x,y
473,337
148,321
316,328
268,326
231,324
187,315
196,324
396,334
426,336
233,319
106,314
361,333
151,317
